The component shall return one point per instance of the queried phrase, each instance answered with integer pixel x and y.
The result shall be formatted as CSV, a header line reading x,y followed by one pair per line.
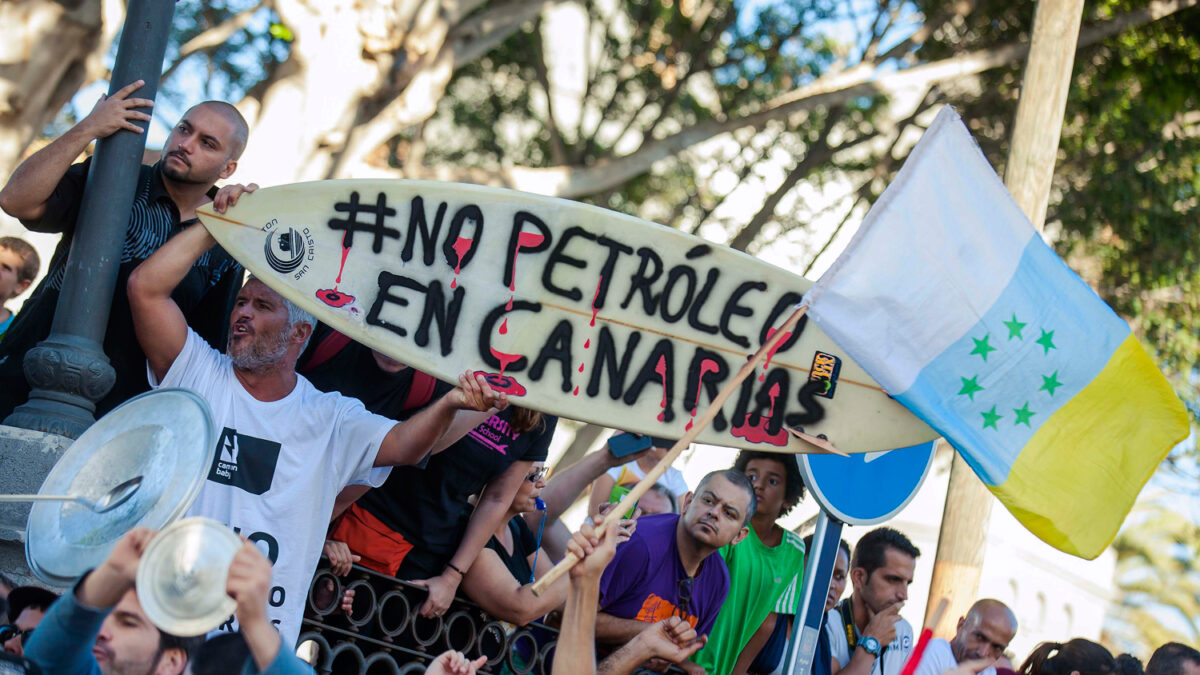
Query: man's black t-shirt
x,y
524,544
429,506
205,295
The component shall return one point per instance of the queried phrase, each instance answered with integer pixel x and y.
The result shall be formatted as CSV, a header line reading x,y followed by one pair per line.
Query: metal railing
x,y
384,633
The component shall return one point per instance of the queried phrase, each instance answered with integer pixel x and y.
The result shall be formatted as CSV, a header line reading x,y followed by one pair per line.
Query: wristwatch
x,y
870,645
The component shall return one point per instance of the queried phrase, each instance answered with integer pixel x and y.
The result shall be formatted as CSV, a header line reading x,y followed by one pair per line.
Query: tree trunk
x,y
45,49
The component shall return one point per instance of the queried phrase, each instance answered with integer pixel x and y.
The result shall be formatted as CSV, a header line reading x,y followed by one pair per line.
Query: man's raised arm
x,y
33,182
160,324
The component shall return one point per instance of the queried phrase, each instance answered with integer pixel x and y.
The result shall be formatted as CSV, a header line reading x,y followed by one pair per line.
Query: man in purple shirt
x,y
670,567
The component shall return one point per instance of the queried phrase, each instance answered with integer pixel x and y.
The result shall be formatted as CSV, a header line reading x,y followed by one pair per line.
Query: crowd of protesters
x,y
329,447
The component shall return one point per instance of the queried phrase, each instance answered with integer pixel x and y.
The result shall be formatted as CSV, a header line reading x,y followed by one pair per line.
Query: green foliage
x,y
1159,580
1126,185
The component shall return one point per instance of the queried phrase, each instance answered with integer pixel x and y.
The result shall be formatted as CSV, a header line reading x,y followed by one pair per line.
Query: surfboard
x,y
571,309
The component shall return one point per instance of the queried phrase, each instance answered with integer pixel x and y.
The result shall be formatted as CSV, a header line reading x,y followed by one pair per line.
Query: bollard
x,y
346,659
324,593
426,631
513,661
381,663
394,613
546,658
363,607
460,631
492,643
320,659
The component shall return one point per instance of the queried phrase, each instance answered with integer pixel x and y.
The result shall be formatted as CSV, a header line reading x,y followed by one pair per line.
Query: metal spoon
x,y
111,500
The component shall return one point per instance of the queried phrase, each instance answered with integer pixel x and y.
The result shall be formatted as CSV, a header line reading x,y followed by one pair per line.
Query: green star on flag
x,y
982,347
990,418
1014,328
969,387
1047,341
1050,383
1023,414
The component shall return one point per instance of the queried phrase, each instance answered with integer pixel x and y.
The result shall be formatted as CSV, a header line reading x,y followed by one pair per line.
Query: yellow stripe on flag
x,y
1089,461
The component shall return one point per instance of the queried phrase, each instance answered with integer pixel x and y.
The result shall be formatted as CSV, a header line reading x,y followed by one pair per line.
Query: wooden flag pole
x,y
1030,167
627,502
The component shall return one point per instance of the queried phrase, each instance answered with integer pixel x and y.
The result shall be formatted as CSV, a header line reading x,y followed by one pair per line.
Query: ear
x,y
858,576
228,169
21,287
961,621
301,332
685,500
172,662
740,535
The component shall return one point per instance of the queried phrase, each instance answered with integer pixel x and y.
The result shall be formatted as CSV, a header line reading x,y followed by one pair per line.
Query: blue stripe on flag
x,y
1046,337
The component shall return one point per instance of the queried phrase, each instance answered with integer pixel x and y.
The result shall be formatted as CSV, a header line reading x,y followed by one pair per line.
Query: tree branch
x,y
818,153
213,37
578,181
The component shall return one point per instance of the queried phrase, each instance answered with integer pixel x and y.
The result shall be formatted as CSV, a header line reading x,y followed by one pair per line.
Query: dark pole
x,y
68,371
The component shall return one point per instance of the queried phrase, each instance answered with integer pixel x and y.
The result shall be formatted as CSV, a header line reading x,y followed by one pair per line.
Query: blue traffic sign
x,y
867,488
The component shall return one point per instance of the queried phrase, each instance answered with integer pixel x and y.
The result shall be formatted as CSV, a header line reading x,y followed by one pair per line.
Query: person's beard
x,y
259,353
178,175
115,667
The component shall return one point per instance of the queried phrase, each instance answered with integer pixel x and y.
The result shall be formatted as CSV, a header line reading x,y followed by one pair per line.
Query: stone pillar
x,y
68,371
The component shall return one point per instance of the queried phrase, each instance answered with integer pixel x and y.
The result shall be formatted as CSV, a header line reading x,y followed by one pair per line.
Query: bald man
x,y
984,633
46,193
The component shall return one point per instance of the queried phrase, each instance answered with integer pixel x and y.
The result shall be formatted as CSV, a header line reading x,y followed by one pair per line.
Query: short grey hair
x,y
297,314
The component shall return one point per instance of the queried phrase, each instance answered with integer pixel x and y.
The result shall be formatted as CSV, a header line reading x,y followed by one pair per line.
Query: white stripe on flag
x,y
947,187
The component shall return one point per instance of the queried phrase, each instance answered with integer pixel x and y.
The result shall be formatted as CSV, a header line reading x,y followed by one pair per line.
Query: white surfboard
x,y
574,310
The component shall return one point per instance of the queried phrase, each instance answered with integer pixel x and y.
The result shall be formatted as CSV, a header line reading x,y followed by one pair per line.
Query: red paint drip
x,y
706,366
661,369
524,240
759,433
576,390
504,358
508,307
594,298
767,363
345,252
454,282
587,344
461,246
581,367
504,326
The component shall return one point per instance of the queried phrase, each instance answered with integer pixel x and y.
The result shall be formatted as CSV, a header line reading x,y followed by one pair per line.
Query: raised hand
x,y
341,559
114,113
454,663
228,195
882,626
474,393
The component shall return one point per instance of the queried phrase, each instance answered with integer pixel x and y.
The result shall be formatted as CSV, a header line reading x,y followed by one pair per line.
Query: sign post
x,y
863,489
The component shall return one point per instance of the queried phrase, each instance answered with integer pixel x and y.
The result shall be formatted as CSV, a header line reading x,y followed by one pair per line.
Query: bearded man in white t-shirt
x,y
285,449
867,635
984,633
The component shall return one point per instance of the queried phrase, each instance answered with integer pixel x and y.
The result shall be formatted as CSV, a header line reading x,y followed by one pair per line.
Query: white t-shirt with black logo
x,y
890,661
278,467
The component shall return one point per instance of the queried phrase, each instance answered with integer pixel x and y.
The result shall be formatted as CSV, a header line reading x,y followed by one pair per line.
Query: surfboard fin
x,y
819,442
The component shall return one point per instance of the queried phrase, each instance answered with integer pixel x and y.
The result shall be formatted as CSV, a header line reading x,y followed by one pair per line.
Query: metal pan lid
x,y
181,577
167,436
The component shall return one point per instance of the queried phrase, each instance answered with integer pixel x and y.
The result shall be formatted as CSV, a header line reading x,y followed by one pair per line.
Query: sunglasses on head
x,y
537,474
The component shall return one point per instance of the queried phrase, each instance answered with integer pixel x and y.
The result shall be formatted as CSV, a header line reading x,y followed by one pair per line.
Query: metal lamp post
x,y
68,371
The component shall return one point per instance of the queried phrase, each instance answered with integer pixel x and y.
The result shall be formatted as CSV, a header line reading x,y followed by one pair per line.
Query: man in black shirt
x,y
45,194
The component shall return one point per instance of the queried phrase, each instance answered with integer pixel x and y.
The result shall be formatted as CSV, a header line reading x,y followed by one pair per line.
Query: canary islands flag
x,y
950,299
